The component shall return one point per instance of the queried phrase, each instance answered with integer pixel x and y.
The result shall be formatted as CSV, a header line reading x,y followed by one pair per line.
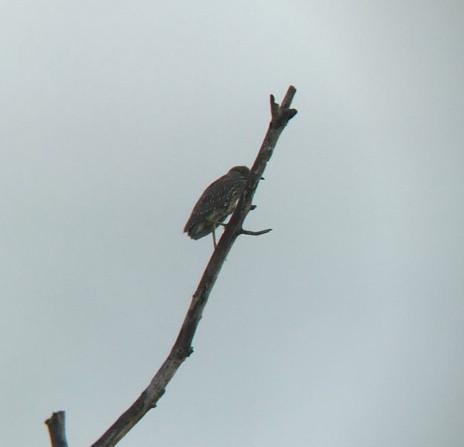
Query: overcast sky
x,y
342,327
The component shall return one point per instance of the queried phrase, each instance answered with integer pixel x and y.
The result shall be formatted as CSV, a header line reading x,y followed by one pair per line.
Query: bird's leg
x,y
214,236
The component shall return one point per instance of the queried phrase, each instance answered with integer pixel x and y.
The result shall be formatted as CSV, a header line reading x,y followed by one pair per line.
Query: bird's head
x,y
244,171
240,170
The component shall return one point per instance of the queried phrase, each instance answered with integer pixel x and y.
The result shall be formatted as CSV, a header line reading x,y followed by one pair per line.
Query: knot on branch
x,y
153,404
182,352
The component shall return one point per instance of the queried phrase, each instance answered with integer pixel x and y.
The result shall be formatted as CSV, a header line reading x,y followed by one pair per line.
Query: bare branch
x,y
183,346
56,429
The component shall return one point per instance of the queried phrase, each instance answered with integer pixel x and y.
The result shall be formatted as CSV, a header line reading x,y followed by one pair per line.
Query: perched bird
x,y
216,203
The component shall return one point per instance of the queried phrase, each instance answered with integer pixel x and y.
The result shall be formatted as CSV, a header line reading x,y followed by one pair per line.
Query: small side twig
x,y
255,233
56,429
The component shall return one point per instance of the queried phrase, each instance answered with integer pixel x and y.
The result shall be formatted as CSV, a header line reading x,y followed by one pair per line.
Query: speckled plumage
x,y
217,202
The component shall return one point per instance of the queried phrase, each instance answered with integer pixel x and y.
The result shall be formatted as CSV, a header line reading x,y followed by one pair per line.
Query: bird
x,y
216,203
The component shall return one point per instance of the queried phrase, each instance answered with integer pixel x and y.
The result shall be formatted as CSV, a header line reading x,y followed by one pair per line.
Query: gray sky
x,y
342,327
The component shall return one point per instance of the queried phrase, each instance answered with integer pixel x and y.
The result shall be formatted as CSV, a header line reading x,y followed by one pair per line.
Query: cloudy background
x,y
342,327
